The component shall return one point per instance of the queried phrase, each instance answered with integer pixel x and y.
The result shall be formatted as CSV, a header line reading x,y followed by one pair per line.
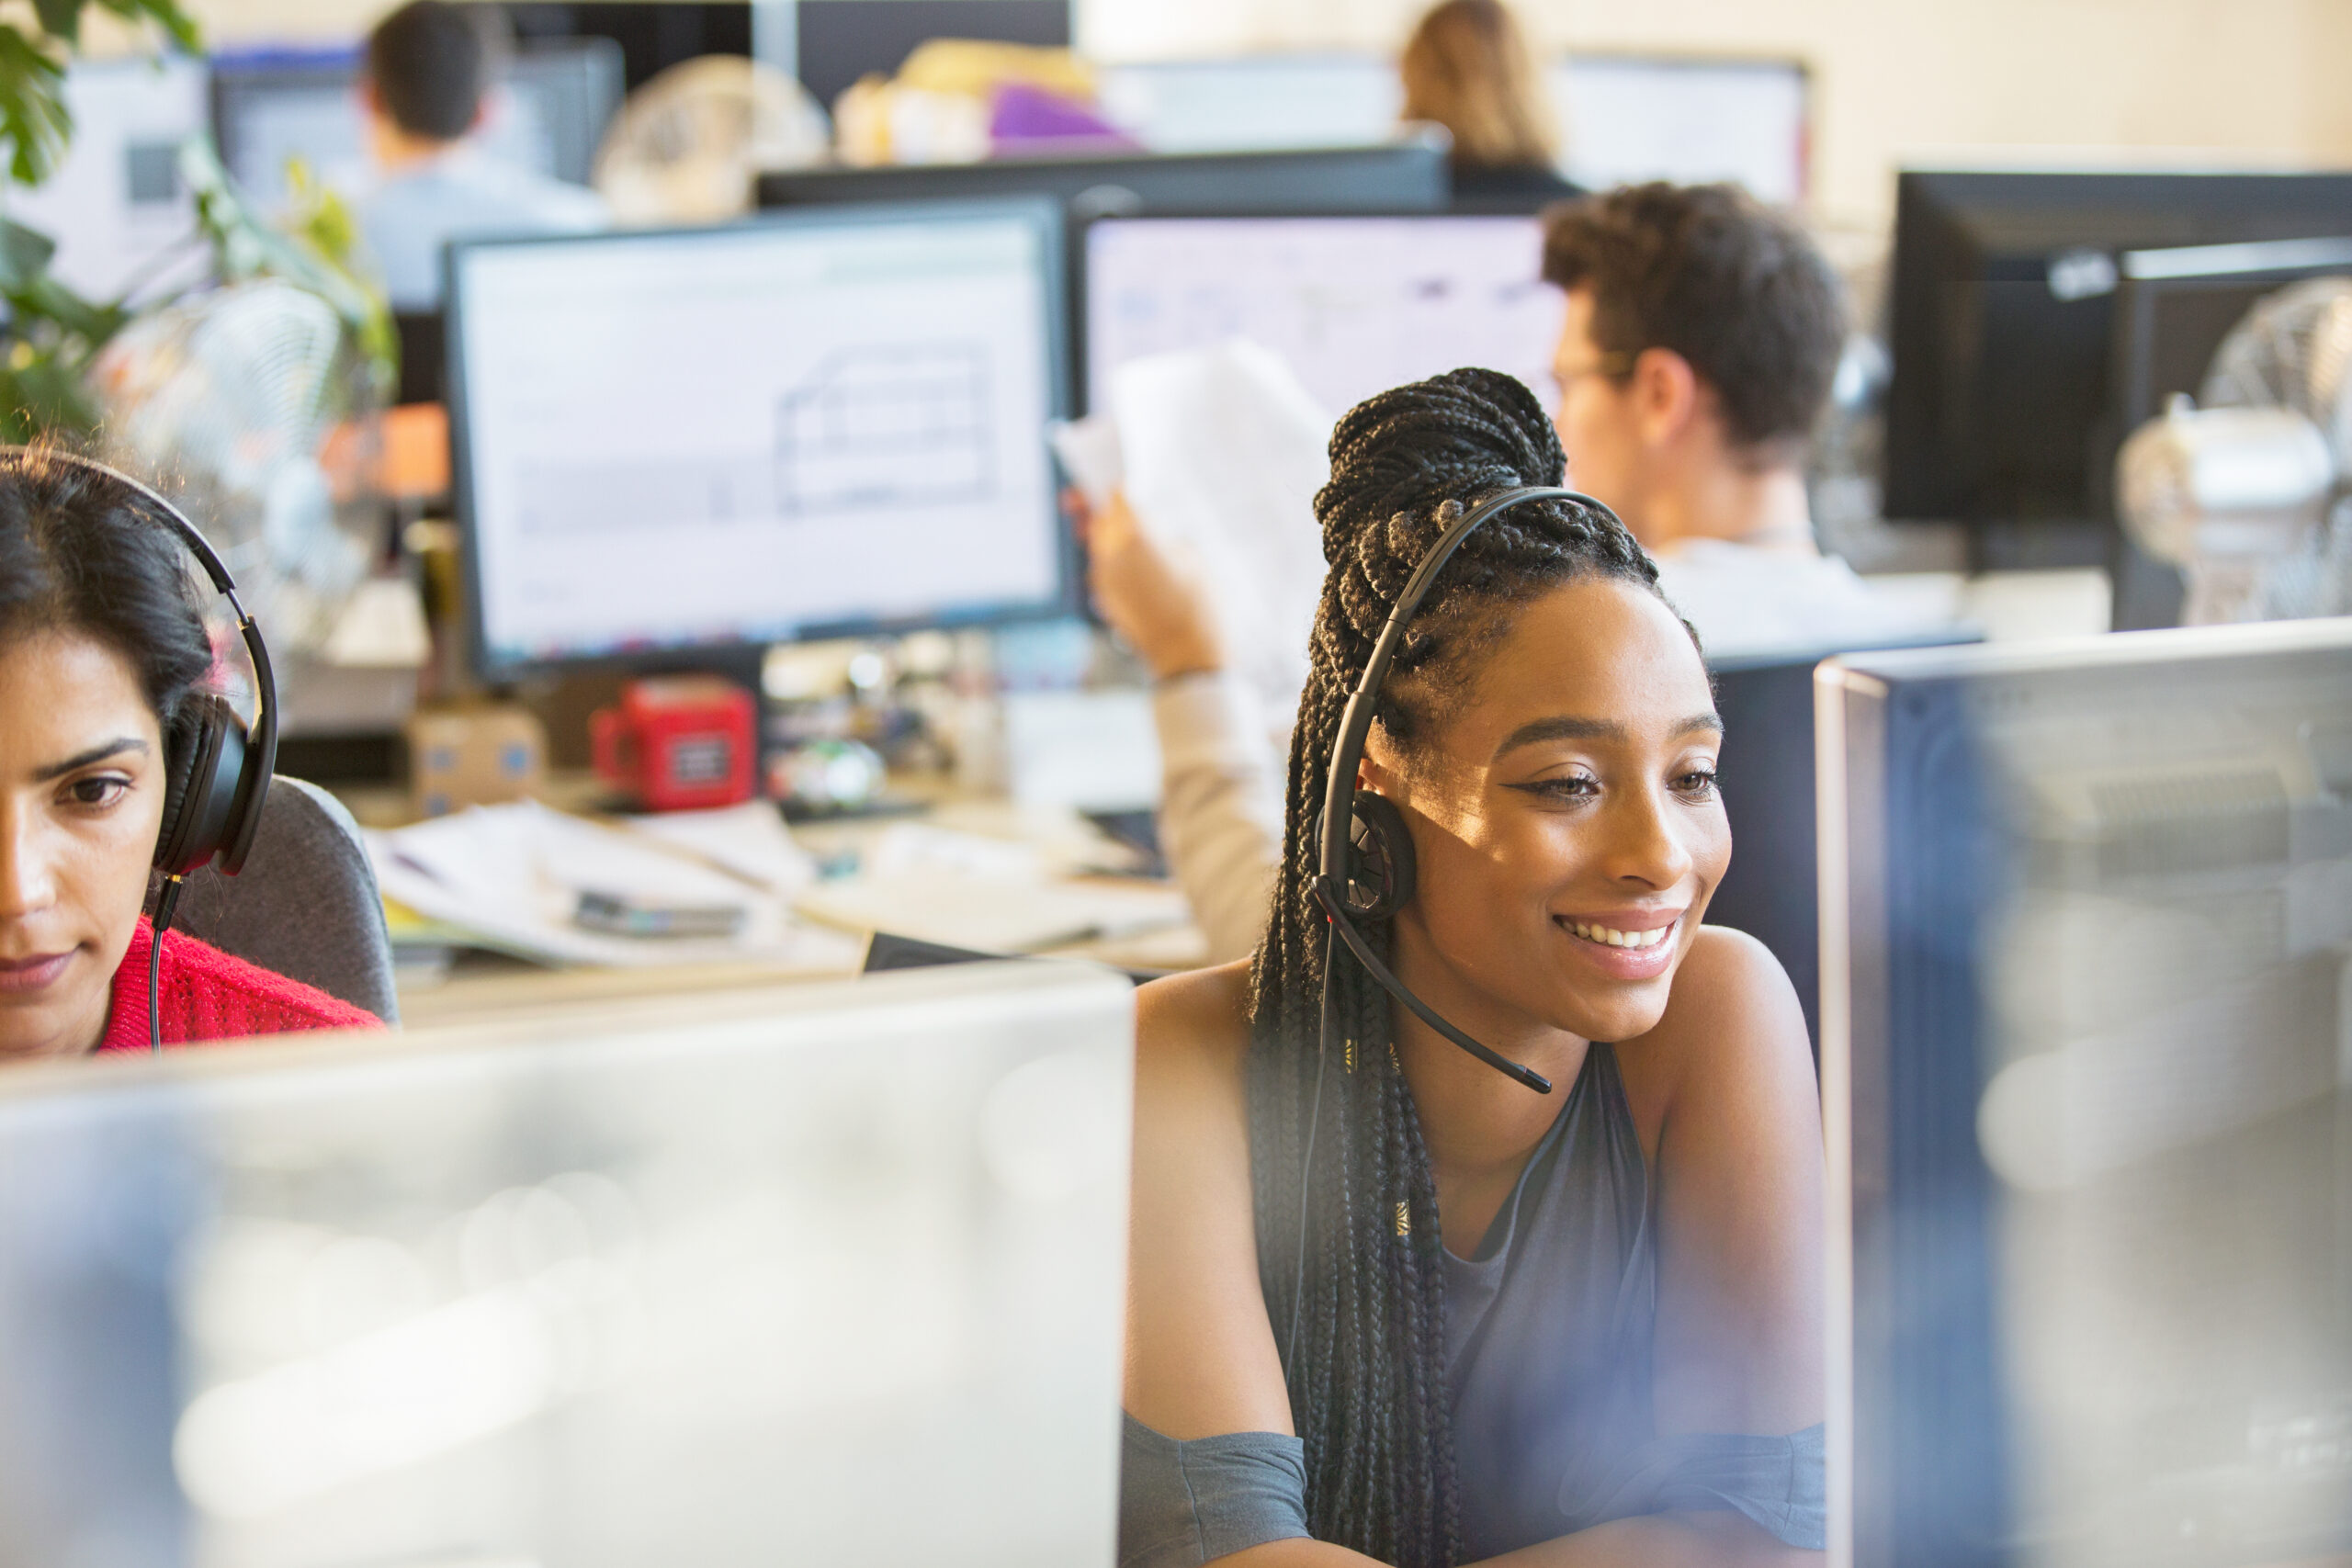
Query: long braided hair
x,y
1367,1371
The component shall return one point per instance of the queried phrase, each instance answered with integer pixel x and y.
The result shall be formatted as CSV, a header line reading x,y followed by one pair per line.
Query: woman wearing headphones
x,y
1386,1301
113,761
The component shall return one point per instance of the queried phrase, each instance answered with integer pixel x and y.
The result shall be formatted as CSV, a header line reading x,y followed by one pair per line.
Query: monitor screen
x,y
1354,305
2087,1068
726,1284
802,426
547,116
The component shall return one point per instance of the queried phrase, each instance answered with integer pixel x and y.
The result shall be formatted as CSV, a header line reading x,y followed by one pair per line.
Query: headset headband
x,y
264,739
1347,755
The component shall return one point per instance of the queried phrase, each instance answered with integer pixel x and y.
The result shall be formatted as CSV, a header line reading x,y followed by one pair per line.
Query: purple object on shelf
x,y
1022,117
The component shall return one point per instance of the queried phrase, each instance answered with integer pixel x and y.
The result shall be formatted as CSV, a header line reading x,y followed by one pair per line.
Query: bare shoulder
x,y
1196,1022
1732,1021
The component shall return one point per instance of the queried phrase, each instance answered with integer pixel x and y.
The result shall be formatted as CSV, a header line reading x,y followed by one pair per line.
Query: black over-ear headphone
x,y
1366,860
216,771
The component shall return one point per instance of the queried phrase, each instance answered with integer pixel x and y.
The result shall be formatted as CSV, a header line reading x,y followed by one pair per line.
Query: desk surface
x,y
480,986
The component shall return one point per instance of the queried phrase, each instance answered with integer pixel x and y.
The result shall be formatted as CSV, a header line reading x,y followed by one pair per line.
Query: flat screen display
x,y
810,425
1354,305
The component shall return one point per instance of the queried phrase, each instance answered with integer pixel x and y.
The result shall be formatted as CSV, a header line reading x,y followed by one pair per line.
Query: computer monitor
x,y
2172,308
123,218
818,423
1354,305
1770,892
1624,118
1404,176
547,115
713,1280
2088,1089
651,37
837,41
2001,411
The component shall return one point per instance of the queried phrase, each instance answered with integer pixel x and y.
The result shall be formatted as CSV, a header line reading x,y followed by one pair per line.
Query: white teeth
x,y
1609,938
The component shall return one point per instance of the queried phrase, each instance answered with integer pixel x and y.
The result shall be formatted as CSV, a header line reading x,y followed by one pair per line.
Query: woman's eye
x,y
1699,784
97,793
1574,788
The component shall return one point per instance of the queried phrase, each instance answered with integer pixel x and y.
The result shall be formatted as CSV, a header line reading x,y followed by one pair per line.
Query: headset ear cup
x,y
1380,857
204,759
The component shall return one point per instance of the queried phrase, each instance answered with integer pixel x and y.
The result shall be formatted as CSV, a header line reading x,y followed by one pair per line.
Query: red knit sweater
x,y
206,994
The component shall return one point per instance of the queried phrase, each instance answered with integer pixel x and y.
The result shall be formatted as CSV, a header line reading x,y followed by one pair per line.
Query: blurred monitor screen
x,y
652,35
1378,177
123,217
821,423
835,42
547,115
2086,1052
710,1283
1623,118
2002,409
1354,305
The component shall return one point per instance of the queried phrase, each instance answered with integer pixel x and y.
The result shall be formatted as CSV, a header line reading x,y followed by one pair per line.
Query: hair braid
x,y
1367,1375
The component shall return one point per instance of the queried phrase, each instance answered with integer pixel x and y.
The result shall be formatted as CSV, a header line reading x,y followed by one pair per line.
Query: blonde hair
x,y
1469,68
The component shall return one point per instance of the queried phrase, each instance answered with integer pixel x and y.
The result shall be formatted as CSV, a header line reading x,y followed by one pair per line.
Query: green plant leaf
x,y
60,18
24,254
34,119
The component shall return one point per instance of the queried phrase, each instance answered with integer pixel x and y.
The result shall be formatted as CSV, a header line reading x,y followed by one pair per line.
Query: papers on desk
x,y
510,878
989,894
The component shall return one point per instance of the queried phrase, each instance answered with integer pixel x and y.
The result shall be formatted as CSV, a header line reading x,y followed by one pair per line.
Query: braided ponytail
x,y
1367,1372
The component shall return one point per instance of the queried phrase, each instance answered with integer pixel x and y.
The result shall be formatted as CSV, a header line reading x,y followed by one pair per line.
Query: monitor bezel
x,y
1042,214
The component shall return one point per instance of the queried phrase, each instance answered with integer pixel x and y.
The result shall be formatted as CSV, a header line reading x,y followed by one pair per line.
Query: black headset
x,y
216,771
1365,868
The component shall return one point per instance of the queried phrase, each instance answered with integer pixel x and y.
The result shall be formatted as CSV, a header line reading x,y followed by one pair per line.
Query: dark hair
x,y
1707,272
1467,67
81,553
1367,1375
431,61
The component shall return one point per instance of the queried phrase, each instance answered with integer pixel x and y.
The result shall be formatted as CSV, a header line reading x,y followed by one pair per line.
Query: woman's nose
x,y
1644,844
28,877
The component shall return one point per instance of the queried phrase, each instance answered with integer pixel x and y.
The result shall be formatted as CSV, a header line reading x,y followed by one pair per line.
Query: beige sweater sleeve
x,y
1221,806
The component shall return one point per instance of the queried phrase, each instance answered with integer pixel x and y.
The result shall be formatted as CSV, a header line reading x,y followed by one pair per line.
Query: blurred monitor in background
x,y
2003,412
714,1284
430,67
123,220
651,35
1467,67
1624,118
2088,1084
1352,304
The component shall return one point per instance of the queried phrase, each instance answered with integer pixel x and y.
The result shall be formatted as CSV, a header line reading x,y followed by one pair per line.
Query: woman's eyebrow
x,y
97,754
1566,727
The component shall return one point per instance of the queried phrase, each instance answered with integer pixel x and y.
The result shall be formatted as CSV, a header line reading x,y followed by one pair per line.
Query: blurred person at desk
x,y
1467,67
1385,1302
430,69
103,661
1701,338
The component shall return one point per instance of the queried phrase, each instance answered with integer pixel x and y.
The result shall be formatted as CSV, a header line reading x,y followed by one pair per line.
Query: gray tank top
x,y
1548,1349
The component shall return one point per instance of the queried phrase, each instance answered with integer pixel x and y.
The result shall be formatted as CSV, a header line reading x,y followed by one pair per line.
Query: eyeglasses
x,y
1615,365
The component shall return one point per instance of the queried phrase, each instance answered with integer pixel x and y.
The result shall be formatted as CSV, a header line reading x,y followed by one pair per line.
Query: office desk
x,y
483,986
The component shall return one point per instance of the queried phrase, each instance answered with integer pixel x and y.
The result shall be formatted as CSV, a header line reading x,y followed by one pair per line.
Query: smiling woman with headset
x,y
116,764
1479,1216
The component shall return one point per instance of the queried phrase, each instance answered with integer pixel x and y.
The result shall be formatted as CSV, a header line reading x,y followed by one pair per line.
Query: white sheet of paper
x,y
514,874
1223,451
